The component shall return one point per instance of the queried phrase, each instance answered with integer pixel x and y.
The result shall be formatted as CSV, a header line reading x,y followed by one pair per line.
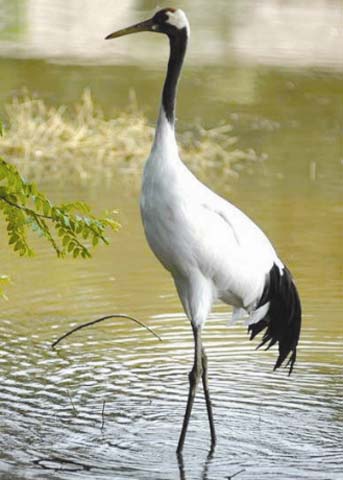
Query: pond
x,y
108,403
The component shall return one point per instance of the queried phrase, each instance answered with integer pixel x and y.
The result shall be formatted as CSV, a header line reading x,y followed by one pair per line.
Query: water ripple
x,y
111,404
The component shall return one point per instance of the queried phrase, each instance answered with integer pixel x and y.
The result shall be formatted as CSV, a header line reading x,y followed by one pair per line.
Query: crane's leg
x,y
207,397
194,378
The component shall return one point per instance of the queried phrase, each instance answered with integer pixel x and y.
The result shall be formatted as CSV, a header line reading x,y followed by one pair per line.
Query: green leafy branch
x,y
70,228
25,208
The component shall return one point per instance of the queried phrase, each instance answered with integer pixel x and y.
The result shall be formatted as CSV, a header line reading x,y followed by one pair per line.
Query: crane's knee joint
x,y
204,360
195,375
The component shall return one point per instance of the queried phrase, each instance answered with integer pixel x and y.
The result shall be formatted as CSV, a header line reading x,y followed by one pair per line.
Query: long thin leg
x,y
207,398
204,473
194,377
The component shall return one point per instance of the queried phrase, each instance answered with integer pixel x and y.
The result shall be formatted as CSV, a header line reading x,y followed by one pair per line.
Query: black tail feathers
x,y
283,319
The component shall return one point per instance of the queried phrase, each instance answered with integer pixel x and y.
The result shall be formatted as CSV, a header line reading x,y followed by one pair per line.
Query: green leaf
x,y
13,238
46,207
18,245
4,281
66,221
66,240
95,240
79,228
85,233
38,202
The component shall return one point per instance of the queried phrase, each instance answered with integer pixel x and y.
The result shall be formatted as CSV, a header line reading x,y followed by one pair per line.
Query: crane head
x,y
169,21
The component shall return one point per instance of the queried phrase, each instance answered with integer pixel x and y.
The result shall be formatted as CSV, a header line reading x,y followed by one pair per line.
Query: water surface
x,y
109,403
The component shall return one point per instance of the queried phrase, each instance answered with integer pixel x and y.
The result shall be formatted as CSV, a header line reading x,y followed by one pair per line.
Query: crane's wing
x,y
247,257
275,305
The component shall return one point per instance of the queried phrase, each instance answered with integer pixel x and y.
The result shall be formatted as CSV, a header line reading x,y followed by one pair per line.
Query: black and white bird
x,y
213,251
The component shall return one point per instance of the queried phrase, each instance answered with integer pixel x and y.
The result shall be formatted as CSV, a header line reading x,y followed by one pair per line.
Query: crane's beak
x,y
146,26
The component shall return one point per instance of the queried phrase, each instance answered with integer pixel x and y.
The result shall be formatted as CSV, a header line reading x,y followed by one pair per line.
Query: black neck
x,y
178,45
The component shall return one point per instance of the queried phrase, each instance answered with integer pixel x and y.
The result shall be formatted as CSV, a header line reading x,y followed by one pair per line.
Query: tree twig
x,y
72,403
235,474
36,215
93,322
103,416
28,210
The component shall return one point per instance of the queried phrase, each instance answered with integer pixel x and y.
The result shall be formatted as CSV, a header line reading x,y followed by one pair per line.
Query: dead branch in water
x,y
235,474
72,403
98,320
103,416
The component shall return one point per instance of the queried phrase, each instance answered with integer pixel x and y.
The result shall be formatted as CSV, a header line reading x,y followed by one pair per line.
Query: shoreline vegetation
x,y
70,228
79,143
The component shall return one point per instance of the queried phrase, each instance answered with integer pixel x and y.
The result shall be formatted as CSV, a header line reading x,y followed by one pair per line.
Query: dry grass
x,y
79,143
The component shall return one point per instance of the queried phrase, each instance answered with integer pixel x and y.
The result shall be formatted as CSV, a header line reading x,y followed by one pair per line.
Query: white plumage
x,y
212,249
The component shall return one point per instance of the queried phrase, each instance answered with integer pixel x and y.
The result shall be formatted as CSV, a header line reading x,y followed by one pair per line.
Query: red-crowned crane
x,y
212,250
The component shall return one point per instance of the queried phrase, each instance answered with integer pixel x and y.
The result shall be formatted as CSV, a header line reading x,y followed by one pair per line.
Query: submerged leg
x,y
194,377
207,398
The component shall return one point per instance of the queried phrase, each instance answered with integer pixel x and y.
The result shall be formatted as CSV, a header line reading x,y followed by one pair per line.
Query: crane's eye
x,y
161,17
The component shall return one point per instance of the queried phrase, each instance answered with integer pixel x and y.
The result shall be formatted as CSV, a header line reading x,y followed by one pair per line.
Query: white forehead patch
x,y
178,19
